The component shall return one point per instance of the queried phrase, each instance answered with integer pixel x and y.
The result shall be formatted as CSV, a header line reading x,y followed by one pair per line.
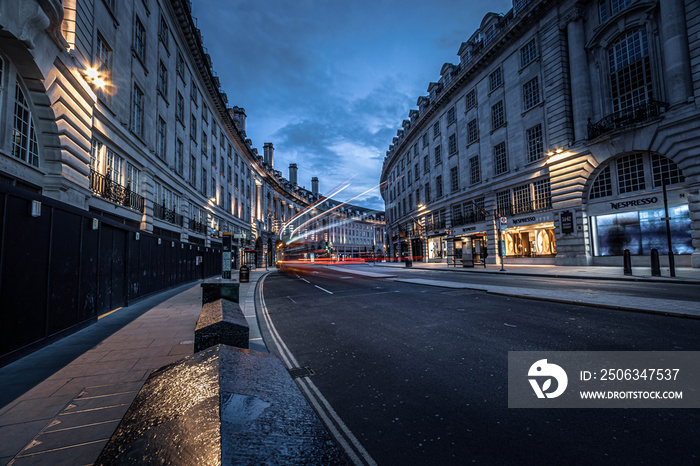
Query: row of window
x,y
535,149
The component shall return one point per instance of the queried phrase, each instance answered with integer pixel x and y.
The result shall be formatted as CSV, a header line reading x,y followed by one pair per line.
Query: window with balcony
x,y
630,71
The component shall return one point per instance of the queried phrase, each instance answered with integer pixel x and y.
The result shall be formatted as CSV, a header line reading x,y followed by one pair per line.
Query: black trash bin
x,y
244,274
409,262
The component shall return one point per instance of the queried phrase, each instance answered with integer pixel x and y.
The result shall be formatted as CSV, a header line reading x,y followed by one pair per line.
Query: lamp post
x,y
671,260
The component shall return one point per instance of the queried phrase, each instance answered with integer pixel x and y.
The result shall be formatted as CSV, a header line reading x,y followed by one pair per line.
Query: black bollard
x,y
655,267
627,261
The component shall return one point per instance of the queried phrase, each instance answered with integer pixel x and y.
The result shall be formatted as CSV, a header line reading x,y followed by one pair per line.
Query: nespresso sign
x,y
634,202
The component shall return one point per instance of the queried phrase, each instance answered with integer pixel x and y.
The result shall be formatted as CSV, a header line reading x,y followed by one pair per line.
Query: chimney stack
x,y
293,173
314,186
269,155
238,115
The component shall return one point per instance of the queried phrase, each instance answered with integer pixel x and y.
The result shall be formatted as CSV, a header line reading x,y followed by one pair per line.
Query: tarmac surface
x,y
60,404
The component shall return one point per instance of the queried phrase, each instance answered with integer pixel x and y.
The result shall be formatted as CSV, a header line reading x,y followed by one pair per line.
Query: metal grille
x,y
500,158
602,186
535,145
630,173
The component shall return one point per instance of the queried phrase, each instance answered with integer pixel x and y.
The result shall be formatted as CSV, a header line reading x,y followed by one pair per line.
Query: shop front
x,y
639,225
470,245
437,248
530,236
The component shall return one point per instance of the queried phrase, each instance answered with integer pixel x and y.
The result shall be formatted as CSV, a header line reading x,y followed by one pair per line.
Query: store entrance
x,y
525,243
479,251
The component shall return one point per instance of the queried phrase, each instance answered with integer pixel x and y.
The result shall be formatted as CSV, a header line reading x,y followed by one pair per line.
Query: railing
x,y
628,117
435,225
198,227
113,191
163,213
531,206
468,218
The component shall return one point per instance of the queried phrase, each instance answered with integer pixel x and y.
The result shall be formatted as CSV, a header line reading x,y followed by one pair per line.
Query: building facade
x,y
114,107
569,130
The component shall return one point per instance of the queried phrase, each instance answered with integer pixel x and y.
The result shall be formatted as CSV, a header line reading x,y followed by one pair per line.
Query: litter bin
x,y
409,262
244,274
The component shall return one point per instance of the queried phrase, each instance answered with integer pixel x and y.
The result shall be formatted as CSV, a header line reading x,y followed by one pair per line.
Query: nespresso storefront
x,y
470,243
530,235
639,225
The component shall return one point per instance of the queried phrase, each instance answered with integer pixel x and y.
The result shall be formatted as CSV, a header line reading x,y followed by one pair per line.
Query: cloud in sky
x,y
329,82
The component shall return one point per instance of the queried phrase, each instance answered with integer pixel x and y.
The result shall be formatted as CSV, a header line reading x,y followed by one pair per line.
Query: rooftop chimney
x,y
269,155
314,186
293,173
238,115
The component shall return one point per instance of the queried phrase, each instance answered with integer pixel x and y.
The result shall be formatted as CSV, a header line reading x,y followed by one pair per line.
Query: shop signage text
x,y
634,202
567,221
518,221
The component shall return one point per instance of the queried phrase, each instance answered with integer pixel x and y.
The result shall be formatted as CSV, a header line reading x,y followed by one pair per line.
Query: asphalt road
x,y
419,374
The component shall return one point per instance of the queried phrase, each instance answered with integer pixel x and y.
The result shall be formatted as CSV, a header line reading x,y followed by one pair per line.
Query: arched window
x,y
630,71
635,172
24,141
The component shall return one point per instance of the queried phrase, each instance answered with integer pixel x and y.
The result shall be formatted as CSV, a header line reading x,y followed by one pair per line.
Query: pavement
x,y
60,404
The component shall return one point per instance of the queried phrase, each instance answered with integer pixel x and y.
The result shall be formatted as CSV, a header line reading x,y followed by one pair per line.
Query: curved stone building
x,y
568,129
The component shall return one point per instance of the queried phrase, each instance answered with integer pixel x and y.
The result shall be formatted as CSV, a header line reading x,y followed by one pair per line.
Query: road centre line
x,y
323,289
313,394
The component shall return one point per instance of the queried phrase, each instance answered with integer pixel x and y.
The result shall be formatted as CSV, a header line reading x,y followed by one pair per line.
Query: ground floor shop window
x,y
642,231
530,242
437,248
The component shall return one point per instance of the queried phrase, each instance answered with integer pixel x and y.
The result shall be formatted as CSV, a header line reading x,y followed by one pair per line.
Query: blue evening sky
x,y
329,82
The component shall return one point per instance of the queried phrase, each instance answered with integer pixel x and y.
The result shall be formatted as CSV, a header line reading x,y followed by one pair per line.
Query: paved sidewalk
x,y
67,417
683,274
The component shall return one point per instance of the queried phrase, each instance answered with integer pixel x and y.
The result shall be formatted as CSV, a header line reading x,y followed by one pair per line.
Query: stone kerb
x,y
221,321
223,405
219,288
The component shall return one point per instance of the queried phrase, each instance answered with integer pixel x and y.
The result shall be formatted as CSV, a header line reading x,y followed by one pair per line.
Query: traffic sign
x,y
504,220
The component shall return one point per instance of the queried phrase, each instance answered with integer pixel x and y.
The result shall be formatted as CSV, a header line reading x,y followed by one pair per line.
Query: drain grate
x,y
297,372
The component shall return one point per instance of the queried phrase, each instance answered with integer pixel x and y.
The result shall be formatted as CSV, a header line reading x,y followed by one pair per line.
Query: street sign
x,y
504,220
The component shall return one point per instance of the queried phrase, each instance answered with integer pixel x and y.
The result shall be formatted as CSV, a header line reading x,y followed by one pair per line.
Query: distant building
x,y
558,127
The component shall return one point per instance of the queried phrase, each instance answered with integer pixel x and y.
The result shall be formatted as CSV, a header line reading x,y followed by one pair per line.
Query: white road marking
x,y
314,395
323,289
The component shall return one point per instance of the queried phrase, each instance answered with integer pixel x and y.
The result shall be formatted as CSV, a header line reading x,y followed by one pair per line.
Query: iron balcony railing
x,y
472,217
531,206
108,189
198,227
432,225
163,213
625,118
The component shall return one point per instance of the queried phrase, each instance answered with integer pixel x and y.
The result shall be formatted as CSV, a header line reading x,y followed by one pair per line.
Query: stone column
x,y
676,55
580,79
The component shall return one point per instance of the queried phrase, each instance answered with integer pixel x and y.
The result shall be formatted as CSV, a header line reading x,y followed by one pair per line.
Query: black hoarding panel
x,y
118,268
89,258
64,271
24,275
104,275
